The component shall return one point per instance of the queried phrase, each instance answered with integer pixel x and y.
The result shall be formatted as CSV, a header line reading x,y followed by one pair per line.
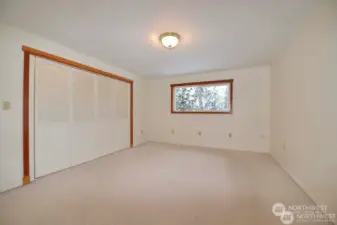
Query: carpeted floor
x,y
157,184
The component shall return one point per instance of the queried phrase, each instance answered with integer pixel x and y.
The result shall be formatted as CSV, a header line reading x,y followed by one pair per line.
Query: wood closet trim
x,y
31,51
26,166
68,62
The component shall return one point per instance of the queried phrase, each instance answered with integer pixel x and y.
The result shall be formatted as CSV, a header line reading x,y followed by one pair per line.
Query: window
x,y
202,97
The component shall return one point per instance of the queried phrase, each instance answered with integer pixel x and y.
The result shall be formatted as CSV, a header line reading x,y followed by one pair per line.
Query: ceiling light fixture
x,y
169,39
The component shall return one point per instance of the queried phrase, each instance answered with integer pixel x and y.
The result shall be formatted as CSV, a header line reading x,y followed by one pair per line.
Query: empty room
x,y
219,112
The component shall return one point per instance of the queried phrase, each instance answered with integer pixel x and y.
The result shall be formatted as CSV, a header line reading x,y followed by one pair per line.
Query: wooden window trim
x,y
31,51
229,81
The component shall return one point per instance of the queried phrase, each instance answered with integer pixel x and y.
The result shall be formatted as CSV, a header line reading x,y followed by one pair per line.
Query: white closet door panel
x,y
122,92
51,148
83,141
106,138
105,98
52,105
113,114
122,119
83,144
83,97
52,92
106,114
123,134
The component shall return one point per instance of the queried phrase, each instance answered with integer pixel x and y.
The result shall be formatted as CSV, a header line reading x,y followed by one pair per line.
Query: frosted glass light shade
x,y
169,39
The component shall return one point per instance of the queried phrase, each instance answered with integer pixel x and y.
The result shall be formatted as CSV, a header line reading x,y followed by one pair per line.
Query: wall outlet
x,y
199,133
142,131
172,131
230,135
6,105
284,146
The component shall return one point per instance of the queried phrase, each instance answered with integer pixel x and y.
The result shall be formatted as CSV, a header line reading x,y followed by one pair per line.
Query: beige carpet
x,y
157,184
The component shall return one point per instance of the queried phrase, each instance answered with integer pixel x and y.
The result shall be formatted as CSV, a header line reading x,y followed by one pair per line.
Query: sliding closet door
x,y
52,106
113,119
121,120
83,143
100,121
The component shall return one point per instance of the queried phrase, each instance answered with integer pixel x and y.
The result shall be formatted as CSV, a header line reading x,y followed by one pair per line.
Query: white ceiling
x,y
216,34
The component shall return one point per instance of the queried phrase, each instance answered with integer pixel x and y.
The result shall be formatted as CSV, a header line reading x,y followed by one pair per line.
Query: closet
x,y
78,116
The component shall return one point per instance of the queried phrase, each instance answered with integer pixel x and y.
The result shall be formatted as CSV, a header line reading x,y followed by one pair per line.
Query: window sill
x,y
187,112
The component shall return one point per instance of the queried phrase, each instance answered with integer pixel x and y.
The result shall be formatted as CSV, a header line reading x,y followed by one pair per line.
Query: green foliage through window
x,y
202,98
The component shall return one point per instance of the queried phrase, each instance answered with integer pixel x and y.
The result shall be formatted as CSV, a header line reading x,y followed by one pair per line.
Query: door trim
x,y
31,51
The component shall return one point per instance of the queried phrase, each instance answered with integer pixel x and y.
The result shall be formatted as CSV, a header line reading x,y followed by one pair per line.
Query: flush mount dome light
x,y
169,39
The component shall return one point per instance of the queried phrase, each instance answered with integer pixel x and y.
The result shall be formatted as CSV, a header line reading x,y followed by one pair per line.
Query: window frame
x,y
202,83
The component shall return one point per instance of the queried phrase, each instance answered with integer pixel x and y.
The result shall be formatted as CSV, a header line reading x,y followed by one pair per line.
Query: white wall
x,y
11,79
249,123
304,106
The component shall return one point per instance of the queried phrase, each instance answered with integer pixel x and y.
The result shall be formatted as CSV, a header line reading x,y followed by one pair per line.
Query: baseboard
x,y
209,147
142,143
